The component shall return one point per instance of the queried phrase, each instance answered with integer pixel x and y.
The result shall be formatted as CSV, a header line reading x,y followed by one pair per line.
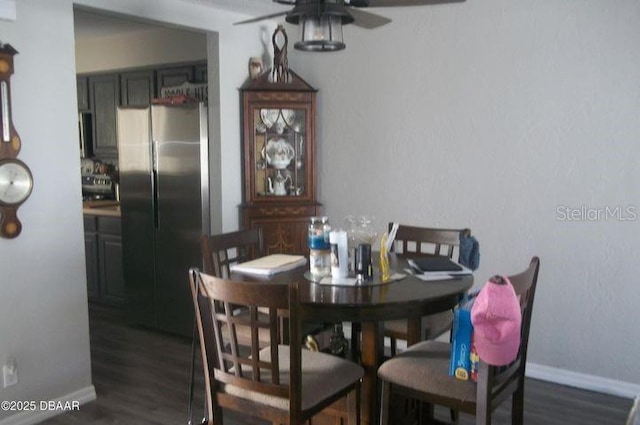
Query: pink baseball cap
x,y
496,319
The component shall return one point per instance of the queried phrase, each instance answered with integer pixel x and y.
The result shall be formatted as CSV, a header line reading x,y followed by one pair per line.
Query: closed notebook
x,y
270,264
436,264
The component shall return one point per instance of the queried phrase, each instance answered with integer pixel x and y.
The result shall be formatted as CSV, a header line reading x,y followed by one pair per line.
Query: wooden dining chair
x,y
423,241
282,384
221,251
413,240
421,372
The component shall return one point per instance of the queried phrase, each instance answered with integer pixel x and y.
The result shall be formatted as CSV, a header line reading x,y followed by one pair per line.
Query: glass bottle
x,y
319,247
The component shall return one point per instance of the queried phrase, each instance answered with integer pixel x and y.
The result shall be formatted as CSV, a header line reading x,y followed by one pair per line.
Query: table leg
x,y
414,331
372,355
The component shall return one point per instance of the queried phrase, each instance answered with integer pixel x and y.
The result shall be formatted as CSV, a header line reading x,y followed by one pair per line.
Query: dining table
x,y
407,296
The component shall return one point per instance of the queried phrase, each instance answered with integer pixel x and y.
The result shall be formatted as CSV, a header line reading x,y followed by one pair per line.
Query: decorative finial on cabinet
x,y
280,72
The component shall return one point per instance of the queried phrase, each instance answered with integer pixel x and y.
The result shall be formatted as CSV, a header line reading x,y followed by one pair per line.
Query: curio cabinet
x,y
279,161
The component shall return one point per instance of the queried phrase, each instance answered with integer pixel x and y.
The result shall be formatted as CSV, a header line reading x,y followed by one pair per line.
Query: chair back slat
x,y
425,240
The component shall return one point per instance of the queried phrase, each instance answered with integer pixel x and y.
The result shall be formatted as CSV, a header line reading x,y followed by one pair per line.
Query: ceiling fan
x,y
321,20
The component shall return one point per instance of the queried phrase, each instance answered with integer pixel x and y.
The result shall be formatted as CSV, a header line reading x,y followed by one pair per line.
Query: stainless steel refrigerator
x,y
164,195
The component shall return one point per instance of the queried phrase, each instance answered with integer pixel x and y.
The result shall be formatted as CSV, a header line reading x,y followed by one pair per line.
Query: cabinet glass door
x,y
279,147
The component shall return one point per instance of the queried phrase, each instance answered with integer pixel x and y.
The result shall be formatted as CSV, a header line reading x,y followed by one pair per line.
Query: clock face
x,y
16,182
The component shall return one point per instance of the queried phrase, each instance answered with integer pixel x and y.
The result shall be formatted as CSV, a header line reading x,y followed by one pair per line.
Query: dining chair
x,y
282,384
423,241
221,251
419,241
422,371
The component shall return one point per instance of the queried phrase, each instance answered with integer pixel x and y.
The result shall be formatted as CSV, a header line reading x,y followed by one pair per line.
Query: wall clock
x,y
16,183
16,180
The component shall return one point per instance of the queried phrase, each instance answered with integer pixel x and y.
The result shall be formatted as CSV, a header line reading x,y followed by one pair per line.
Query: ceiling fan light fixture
x,y
320,26
322,34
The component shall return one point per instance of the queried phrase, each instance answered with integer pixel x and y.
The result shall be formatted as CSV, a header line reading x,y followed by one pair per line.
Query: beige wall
x,y
43,296
492,115
153,47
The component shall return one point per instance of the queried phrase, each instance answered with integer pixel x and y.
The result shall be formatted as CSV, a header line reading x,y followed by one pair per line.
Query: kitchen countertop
x,y
103,208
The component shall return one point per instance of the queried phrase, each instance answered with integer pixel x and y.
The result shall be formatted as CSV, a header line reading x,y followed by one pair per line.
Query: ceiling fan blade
x,y
261,18
367,20
392,3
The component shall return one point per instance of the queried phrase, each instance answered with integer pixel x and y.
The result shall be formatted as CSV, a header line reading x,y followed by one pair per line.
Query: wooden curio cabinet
x,y
279,161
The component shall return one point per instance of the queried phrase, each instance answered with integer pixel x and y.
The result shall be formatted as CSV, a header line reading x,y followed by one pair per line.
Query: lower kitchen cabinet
x,y
103,251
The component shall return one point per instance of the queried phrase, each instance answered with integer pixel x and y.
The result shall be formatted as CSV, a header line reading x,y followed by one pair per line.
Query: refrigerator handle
x,y
154,189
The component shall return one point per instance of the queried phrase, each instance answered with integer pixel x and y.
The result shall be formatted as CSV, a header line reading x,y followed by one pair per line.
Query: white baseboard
x,y
583,381
38,415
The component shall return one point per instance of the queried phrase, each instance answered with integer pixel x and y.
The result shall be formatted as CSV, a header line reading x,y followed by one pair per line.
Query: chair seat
x,y
323,375
424,367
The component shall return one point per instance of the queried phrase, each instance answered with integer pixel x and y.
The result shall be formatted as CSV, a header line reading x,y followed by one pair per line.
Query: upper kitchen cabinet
x,y
177,75
137,88
200,73
83,94
105,98
174,76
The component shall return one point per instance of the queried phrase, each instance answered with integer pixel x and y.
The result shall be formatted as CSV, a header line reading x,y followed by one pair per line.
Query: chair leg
x,y
483,415
394,344
355,342
217,416
426,412
517,405
384,403
353,406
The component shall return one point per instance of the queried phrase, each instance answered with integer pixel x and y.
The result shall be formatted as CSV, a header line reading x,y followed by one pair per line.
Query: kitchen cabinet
x,y
173,76
105,98
200,73
83,94
137,88
176,75
101,94
279,161
103,252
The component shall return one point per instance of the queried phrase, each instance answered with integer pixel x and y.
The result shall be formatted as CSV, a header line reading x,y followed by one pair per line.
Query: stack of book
x,y
271,264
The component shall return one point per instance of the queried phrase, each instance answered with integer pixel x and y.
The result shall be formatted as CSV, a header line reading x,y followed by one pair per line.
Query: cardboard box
x,y
460,365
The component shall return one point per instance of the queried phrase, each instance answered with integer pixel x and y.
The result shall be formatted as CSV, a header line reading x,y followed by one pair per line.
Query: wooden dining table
x,y
370,304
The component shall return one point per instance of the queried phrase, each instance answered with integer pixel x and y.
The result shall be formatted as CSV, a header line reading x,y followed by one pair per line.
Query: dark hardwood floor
x,y
141,377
